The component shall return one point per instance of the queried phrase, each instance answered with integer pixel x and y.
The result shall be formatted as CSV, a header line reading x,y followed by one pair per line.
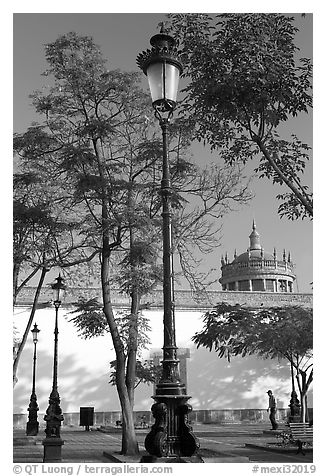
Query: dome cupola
x,y
257,270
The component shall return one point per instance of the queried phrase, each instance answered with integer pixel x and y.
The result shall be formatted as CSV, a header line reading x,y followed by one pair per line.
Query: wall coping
x,y
184,299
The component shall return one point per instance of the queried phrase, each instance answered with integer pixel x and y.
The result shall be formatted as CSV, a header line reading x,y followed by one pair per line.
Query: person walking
x,y
272,409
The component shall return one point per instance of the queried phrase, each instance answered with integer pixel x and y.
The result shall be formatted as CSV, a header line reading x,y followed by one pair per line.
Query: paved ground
x,y
227,443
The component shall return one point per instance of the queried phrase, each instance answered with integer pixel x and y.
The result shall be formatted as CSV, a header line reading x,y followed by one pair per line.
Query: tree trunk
x,y
129,441
29,324
304,387
304,200
15,280
307,409
300,387
135,301
132,347
303,408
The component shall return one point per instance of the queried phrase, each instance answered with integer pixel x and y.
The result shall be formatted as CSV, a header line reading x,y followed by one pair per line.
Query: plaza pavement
x,y
238,443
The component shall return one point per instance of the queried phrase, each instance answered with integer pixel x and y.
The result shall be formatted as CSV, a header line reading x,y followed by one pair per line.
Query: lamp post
x,y
294,402
33,424
171,435
53,442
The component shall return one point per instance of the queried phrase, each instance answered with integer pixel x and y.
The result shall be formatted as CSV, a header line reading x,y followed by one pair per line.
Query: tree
x,y
244,82
102,153
269,333
42,227
83,110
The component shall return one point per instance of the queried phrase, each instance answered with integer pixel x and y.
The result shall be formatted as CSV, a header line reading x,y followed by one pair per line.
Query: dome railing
x,y
231,268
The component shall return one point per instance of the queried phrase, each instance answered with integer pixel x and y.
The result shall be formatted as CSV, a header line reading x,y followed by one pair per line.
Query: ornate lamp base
x,y
32,424
52,449
295,408
32,428
53,417
171,435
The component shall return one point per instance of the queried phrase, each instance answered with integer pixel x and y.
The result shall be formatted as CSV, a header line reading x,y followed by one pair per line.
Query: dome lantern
x,y
254,238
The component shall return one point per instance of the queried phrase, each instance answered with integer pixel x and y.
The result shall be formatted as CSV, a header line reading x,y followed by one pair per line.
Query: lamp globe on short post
x,y
171,436
53,417
32,424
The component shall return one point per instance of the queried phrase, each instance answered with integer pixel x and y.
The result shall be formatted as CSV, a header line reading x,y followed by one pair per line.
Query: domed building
x,y
256,270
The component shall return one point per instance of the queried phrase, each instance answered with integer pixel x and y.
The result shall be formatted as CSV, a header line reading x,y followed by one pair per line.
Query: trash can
x,y
86,417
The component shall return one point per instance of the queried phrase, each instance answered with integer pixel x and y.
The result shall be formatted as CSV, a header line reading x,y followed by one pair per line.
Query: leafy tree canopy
x,y
90,321
146,372
269,332
244,81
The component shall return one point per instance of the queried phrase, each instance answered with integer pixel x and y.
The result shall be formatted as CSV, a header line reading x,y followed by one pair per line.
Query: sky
x,y
121,37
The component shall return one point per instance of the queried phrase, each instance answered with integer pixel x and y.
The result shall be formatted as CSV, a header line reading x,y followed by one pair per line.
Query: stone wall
x,y
222,417
83,376
184,299
265,298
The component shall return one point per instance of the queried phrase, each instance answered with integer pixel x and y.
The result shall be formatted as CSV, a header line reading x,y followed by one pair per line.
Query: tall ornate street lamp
x,y
33,424
53,442
171,435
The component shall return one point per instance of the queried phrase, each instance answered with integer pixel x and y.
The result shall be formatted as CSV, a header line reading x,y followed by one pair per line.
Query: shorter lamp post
x,y
53,442
295,407
33,424
171,435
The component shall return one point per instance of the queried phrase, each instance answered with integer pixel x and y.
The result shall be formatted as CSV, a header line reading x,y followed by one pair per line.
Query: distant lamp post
x,y
32,424
295,407
171,435
53,442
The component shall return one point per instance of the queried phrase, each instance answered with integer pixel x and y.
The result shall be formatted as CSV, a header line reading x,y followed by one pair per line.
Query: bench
x,y
301,433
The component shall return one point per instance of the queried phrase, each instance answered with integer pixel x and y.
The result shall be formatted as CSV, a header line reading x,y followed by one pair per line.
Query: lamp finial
x,y
162,25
